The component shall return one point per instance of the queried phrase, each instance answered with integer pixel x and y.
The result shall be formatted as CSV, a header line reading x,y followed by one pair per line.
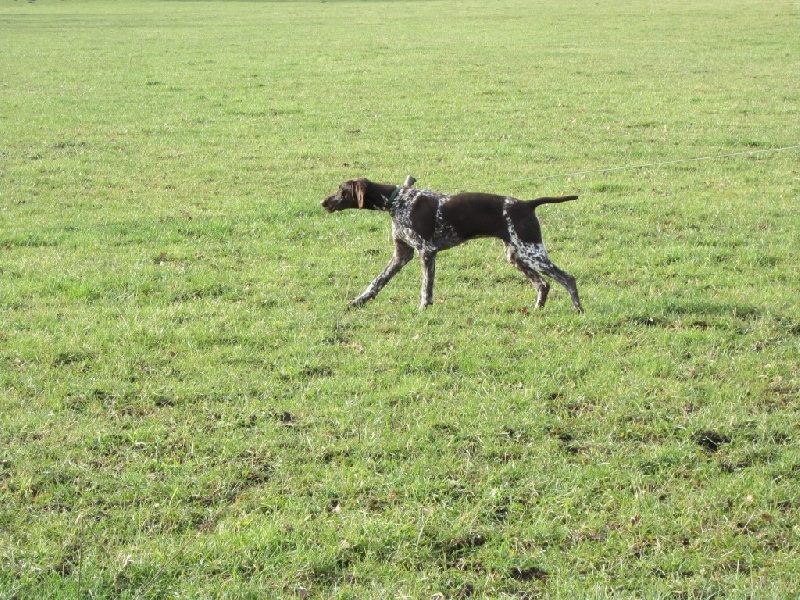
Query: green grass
x,y
187,408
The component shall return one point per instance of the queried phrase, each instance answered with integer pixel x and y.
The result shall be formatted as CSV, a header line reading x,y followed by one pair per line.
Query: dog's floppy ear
x,y
359,189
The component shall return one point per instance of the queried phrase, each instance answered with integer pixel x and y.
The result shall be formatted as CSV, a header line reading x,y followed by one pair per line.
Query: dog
x,y
429,222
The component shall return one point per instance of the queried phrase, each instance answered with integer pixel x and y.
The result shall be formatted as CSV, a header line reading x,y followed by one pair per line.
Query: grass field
x,y
188,409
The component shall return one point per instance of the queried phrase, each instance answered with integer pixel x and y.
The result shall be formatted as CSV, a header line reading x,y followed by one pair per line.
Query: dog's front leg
x,y
403,253
428,259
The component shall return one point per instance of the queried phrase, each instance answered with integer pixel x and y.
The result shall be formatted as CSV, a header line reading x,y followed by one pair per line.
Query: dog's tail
x,y
549,200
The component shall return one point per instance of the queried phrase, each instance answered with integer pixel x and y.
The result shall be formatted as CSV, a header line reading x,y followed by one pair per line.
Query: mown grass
x,y
189,410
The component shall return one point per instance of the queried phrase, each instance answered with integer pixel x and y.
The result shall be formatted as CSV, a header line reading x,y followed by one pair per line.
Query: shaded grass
x,y
188,409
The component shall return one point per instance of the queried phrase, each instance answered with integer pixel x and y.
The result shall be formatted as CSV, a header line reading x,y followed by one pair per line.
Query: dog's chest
x,y
417,220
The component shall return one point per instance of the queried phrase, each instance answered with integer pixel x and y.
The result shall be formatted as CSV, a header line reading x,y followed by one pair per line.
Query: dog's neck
x,y
392,197
381,196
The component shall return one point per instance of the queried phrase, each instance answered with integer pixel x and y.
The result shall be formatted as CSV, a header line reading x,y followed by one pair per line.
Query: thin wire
x,y
644,166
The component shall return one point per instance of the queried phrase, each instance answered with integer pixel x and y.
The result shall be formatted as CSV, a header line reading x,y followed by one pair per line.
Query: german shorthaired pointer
x,y
429,222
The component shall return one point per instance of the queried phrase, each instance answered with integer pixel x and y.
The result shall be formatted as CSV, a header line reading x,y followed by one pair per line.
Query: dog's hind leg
x,y
542,287
533,258
566,280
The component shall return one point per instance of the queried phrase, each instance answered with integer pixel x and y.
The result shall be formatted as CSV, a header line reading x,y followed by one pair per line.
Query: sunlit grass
x,y
188,409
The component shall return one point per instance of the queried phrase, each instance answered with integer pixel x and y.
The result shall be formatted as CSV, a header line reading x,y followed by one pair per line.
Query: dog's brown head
x,y
349,195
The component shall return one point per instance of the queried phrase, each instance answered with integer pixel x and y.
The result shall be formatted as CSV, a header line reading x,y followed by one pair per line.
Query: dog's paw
x,y
357,302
